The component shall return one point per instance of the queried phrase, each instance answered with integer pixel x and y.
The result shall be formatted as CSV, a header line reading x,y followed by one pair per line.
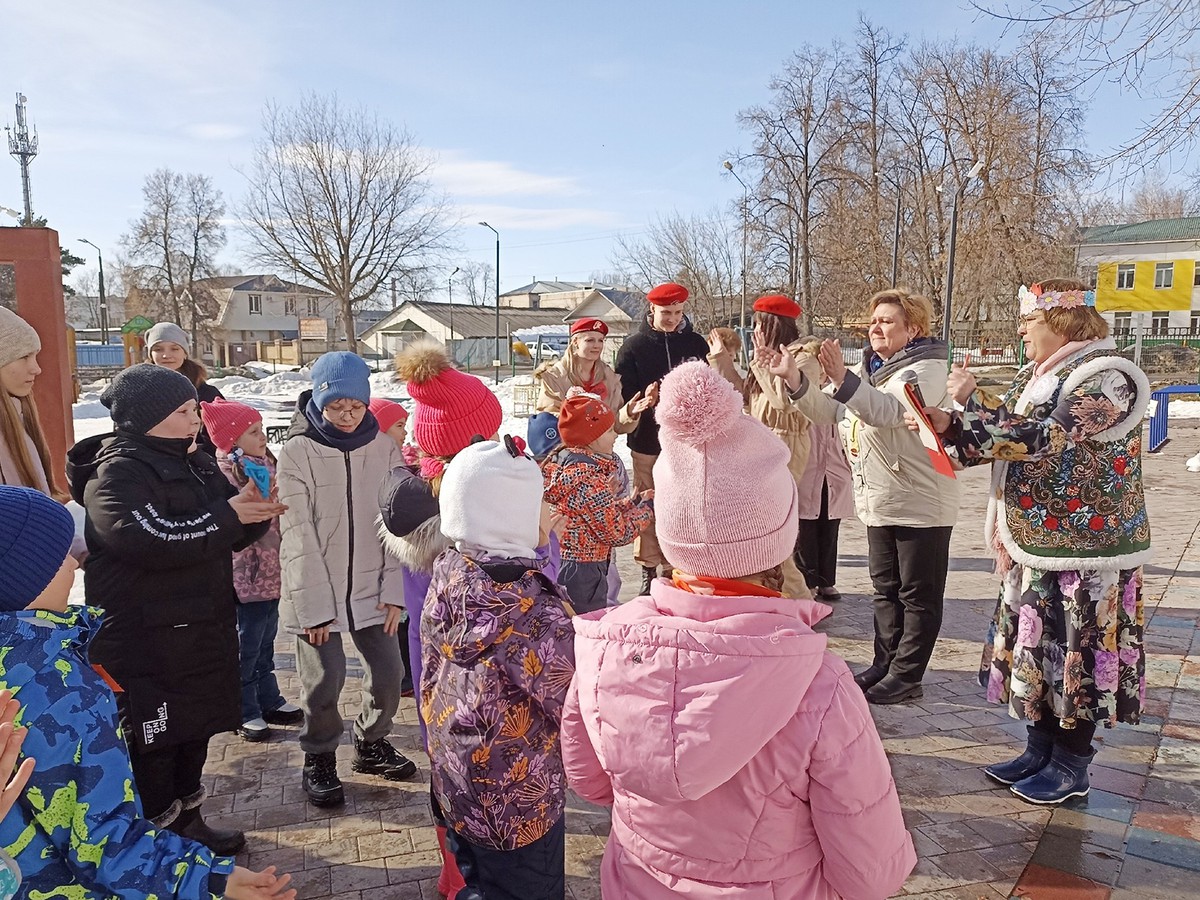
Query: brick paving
x,y
1137,834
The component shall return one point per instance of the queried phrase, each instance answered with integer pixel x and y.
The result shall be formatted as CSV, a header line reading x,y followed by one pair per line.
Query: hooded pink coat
x,y
738,755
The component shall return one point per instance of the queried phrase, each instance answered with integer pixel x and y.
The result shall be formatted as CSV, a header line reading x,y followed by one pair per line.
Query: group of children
x,y
735,750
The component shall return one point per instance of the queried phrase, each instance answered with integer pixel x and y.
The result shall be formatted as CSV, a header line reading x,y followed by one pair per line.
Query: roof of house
x,y
258,283
546,287
1156,230
471,321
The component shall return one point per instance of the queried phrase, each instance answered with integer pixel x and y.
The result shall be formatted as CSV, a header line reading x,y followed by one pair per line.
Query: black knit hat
x,y
35,535
142,396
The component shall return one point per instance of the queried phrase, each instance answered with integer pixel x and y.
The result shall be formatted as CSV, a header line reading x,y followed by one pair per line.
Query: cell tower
x,y
23,147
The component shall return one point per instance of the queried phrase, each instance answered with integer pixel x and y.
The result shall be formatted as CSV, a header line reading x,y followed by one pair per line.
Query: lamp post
x,y
496,361
947,311
745,228
450,291
103,297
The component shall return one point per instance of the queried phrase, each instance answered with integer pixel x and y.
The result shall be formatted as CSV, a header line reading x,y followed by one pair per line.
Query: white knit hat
x,y
491,501
17,337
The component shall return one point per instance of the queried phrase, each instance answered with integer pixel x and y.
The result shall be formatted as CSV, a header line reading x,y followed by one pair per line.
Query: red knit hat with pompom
x,y
387,412
725,501
452,407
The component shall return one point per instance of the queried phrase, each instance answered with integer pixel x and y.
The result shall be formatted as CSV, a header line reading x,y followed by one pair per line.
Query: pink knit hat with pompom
x,y
725,501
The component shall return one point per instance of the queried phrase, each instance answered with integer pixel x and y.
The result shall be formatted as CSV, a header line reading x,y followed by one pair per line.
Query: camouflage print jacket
x,y
78,832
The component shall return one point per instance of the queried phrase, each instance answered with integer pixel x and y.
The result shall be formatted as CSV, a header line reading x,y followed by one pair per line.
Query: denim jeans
x,y
257,624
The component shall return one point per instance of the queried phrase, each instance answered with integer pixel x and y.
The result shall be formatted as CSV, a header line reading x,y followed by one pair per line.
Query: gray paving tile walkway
x,y
1136,835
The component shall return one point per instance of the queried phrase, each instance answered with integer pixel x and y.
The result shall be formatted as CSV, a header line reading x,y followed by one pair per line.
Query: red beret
x,y
668,294
588,324
778,305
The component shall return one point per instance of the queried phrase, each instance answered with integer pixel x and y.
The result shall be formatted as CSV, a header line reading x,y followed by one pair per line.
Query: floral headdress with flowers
x,y
1034,298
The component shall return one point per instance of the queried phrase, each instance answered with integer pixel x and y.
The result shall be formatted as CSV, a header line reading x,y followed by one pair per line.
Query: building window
x,y
1164,275
314,306
289,306
1088,275
1194,328
1125,277
1123,322
1196,277
255,304
1158,323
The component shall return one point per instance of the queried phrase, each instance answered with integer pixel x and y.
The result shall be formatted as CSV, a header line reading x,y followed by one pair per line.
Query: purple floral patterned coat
x,y
498,652
255,569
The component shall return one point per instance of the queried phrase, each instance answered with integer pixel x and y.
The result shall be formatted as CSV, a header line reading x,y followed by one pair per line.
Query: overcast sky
x,y
562,124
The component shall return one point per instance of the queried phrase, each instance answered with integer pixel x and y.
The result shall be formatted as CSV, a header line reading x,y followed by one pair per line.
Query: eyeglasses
x,y
346,410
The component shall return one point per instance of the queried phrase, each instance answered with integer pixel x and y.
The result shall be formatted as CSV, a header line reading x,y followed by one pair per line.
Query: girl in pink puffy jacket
x,y
738,755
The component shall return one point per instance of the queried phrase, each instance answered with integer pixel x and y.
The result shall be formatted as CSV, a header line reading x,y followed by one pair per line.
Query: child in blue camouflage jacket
x,y
78,830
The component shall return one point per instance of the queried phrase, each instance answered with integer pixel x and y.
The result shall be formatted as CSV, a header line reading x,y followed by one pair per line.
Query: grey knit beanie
x,y
143,395
17,337
168,331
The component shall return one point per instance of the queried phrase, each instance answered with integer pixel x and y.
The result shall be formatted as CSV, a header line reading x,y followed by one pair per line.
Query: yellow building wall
x,y
1144,296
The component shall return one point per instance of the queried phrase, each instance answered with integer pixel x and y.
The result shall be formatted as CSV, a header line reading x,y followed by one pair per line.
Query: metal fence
x,y
100,355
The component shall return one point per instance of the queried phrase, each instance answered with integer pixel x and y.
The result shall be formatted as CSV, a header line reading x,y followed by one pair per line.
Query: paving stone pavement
x,y
1137,835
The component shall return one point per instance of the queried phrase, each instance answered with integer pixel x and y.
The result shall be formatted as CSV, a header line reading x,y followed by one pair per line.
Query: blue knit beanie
x,y
35,535
340,375
542,434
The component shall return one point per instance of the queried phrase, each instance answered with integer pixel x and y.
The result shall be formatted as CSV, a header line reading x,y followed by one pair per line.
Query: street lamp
x,y
745,227
947,311
496,361
103,298
450,290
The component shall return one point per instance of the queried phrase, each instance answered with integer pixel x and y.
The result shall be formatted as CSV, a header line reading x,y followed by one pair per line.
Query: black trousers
x,y
1077,740
908,571
536,871
817,546
169,774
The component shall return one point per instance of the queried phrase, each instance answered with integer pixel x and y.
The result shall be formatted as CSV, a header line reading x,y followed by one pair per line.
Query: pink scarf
x,y
1066,350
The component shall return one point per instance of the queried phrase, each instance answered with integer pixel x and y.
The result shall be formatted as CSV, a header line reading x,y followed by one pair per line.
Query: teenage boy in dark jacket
x,y
665,340
162,523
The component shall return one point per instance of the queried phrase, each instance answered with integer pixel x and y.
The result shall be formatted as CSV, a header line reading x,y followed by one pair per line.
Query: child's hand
x,y
716,346
11,739
646,496
637,405
246,885
251,507
391,621
317,636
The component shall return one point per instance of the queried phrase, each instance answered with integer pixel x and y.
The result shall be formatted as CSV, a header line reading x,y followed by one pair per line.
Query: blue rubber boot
x,y
1032,761
1065,776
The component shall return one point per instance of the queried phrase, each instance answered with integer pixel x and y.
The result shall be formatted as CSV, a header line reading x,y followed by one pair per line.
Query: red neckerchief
x,y
595,387
719,587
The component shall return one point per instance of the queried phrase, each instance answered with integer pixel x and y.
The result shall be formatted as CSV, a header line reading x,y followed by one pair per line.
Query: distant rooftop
x,y
1156,230
547,287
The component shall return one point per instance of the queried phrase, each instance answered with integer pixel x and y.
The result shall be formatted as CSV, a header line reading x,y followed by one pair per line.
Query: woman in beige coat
x,y
766,396
909,508
582,367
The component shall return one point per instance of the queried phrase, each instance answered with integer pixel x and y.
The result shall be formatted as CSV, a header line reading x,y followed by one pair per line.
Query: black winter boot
x,y
321,781
649,573
381,758
1032,761
223,842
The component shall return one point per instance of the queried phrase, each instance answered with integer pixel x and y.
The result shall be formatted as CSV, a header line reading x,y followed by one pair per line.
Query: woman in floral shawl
x,y
1067,520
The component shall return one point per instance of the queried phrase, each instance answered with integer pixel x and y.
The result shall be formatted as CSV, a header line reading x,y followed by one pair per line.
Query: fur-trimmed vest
x,y
1082,507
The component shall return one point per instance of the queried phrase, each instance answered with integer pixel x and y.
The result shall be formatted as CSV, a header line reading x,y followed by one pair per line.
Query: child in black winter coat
x,y
162,525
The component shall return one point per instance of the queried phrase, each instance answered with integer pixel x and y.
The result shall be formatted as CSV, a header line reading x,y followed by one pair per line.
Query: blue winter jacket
x,y
77,831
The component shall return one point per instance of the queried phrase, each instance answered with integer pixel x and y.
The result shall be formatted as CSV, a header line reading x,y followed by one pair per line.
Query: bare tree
x,y
83,304
702,252
173,245
344,199
1149,47
479,283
